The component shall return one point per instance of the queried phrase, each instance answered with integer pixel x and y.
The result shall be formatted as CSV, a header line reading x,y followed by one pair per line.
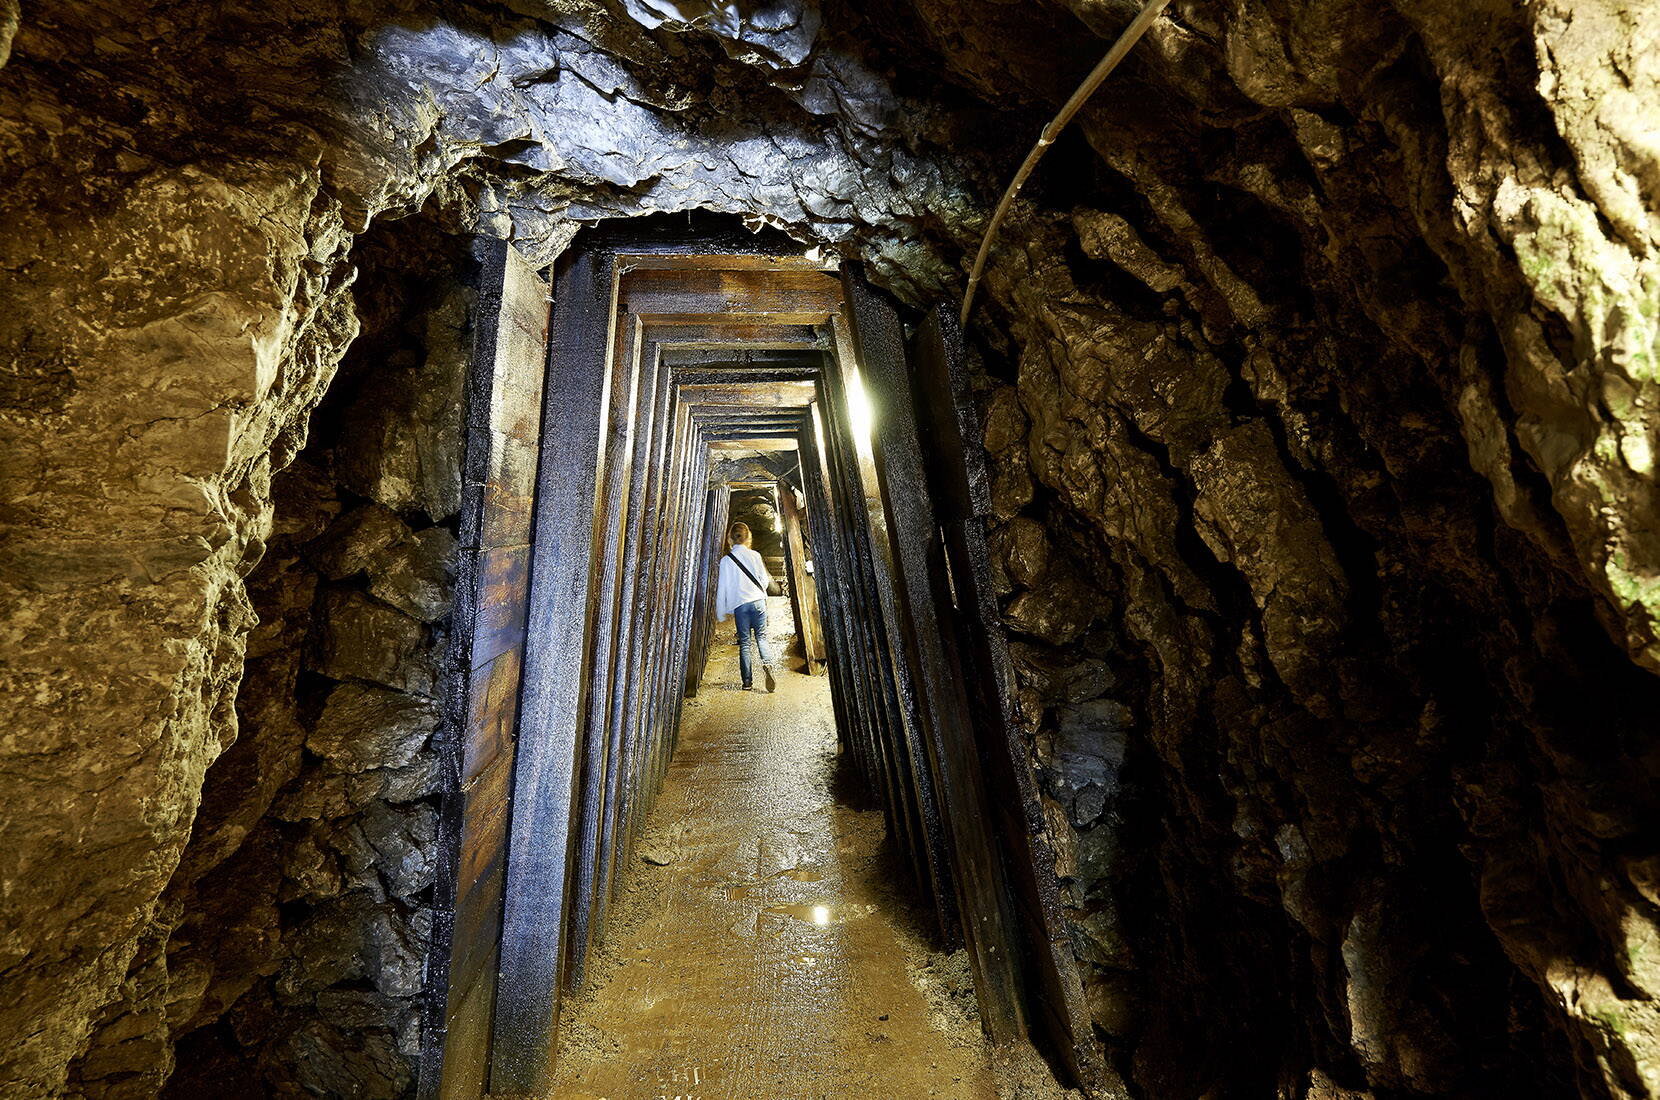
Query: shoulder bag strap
x,y
747,573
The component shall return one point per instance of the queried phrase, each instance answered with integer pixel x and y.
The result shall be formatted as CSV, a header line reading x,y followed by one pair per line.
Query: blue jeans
x,y
751,616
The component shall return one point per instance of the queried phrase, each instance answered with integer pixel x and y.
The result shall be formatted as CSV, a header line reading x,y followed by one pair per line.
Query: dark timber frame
x,y
658,352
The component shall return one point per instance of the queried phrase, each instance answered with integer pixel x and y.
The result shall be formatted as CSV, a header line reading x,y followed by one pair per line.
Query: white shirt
x,y
735,589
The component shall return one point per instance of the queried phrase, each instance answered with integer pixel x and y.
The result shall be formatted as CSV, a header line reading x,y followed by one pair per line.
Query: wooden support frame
x,y
978,652
659,351
803,588
535,921
988,921
477,740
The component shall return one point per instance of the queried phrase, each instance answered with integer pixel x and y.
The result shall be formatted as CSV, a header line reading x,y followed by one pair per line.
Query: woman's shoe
x,y
772,684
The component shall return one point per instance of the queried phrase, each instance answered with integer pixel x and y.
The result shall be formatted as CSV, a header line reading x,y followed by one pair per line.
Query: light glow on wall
x,y
861,416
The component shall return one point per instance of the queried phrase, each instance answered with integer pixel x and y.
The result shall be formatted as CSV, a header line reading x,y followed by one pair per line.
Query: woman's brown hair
x,y
739,532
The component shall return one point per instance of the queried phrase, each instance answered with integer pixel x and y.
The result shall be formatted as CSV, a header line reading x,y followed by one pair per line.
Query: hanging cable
x,y
1132,34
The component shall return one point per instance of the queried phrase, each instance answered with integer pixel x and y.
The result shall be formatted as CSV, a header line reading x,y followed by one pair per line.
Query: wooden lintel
x,y
693,291
740,317
761,444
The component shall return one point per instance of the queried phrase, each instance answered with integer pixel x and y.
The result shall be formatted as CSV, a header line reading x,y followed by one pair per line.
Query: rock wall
x,y
1316,506
288,950
1318,374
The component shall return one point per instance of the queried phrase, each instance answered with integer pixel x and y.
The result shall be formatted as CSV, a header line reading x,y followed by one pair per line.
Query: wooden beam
x,y
630,646
989,924
803,589
957,471
690,292
475,743
761,444
540,846
752,392
904,737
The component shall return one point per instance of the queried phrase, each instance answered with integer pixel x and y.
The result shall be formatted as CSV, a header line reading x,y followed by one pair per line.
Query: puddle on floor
x,y
821,915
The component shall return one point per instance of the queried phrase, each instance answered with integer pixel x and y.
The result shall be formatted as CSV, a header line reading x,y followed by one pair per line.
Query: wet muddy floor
x,y
760,948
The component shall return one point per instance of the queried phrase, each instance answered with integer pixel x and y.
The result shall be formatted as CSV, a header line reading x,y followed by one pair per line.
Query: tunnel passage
x,y
584,616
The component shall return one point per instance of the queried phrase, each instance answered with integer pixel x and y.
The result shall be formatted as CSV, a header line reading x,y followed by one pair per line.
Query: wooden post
x,y
475,743
630,639
613,482
904,733
957,474
988,922
803,594
535,919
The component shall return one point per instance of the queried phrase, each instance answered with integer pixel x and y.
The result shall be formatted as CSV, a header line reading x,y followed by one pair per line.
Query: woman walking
x,y
742,593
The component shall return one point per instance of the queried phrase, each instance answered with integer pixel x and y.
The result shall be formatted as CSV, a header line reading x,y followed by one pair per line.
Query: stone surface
x,y
360,638
416,577
363,727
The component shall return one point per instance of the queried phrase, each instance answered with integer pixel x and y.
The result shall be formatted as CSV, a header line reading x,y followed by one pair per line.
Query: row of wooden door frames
x,y
590,538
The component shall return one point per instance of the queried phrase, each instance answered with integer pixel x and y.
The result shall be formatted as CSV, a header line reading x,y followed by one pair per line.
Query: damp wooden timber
x,y
590,626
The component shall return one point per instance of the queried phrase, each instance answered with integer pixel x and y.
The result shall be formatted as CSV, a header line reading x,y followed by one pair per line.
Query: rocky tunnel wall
x,y
291,944
1317,379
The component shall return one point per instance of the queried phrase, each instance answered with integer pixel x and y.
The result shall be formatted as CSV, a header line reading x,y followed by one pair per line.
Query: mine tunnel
x,y
695,380
1198,459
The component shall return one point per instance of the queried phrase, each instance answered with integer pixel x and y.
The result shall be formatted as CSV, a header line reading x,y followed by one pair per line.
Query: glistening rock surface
x,y
1320,385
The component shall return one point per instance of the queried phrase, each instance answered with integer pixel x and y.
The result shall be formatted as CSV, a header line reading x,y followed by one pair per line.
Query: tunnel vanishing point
x,y
1244,631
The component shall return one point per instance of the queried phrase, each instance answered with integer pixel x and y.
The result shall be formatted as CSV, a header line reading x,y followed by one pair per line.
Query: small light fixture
x,y
808,566
821,914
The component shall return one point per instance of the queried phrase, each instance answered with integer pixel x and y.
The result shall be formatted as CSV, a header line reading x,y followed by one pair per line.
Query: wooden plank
x,y
921,832
481,669
772,444
492,712
852,730
714,528
660,742
796,393
652,398
751,320
704,242
728,333
728,292
763,360
613,484
508,491
857,686
481,873
952,757
466,1043
691,542
522,335
645,636
499,612
708,411
524,1035
690,480
730,374
957,473
803,587
503,394
717,257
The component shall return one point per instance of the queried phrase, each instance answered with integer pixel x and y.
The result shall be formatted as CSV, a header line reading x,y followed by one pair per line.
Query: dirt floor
x,y
762,947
